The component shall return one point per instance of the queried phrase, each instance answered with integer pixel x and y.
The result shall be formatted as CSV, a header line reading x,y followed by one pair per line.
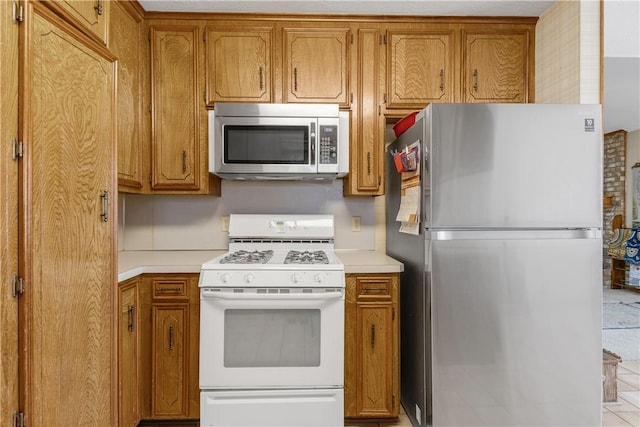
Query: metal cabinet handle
x,y
176,289
381,289
184,161
295,79
441,80
105,206
260,75
170,337
131,315
368,162
98,8
475,79
373,336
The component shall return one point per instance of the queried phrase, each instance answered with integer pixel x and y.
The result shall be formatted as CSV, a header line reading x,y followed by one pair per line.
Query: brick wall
x,y
615,145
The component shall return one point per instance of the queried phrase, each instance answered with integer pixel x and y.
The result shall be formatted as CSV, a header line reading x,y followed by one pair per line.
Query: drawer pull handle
x,y
169,289
375,289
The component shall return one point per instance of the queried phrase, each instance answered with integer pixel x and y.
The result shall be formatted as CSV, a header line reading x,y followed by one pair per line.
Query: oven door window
x,y
266,144
263,338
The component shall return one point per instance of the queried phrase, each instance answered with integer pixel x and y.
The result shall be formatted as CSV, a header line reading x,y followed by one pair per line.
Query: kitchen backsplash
x,y
165,222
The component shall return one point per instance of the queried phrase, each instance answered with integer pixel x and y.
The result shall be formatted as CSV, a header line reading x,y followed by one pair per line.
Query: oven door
x,y
271,338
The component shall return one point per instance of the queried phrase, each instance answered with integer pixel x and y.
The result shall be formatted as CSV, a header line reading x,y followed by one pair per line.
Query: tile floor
x,y
403,421
626,411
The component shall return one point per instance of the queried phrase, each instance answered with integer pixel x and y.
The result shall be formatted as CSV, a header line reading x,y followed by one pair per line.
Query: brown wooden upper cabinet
x,y
420,68
239,64
89,15
495,65
125,39
175,116
366,147
316,65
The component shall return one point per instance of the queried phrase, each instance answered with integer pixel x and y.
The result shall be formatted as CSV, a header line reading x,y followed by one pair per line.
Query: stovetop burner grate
x,y
247,257
306,257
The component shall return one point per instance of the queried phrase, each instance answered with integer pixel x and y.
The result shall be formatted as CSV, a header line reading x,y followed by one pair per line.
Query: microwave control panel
x,y
328,144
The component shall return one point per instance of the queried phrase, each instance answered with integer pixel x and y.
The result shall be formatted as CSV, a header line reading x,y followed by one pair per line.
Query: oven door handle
x,y
274,296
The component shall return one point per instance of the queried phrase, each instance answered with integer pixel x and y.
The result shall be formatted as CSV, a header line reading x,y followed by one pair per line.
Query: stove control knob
x,y
317,278
225,278
248,278
295,278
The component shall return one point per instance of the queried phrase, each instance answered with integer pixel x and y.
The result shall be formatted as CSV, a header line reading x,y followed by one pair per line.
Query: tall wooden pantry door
x,y
67,221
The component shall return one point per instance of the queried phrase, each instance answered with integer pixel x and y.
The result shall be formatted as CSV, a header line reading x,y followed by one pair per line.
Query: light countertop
x,y
134,263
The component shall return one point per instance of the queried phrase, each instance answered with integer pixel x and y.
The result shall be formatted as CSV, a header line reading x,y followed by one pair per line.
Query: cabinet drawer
x,y
170,288
373,288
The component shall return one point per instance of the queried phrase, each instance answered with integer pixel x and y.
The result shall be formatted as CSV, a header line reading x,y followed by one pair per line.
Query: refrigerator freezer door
x,y
515,166
516,331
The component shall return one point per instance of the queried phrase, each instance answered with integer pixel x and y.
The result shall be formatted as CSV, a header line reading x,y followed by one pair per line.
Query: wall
x,y
633,157
194,222
568,53
614,187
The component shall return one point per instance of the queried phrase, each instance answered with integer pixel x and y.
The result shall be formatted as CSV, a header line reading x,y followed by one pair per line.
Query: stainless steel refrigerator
x,y
501,294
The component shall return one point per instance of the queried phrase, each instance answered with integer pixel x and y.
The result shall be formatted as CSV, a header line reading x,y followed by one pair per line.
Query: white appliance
x,y
272,325
501,292
278,141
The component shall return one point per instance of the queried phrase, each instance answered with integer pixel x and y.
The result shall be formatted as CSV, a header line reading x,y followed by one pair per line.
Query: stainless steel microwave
x,y
278,141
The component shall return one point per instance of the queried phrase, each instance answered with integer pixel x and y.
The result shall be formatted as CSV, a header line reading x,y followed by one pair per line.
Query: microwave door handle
x,y
271,297
312,143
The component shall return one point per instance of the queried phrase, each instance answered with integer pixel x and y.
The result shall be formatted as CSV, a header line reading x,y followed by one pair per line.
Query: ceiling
x,y
371,7
621,67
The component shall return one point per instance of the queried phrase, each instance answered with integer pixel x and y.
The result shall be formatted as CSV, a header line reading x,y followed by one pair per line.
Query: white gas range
x,y
272,325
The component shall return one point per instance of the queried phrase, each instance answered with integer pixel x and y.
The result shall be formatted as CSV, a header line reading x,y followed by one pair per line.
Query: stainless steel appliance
x,y
272,325
501,289
278,141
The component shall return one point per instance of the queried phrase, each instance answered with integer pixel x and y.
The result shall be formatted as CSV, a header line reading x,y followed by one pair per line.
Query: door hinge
x,y
18,419
393,401
18,286
18,149
18,13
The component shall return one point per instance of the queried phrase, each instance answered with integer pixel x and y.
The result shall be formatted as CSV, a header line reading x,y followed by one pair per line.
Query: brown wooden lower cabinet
x,y
371,388
128,353
166,328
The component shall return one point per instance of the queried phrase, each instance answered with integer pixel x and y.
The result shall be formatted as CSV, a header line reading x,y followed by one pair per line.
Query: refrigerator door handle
x,y
516,234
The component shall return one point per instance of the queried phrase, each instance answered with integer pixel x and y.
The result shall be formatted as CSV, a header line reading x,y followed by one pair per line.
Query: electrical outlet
x,y
224,223
355,223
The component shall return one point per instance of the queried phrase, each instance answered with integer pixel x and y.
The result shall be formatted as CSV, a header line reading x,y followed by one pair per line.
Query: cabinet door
x,y
68,228
170,360
316,64
371,346
366,155
128,353
495,66
419,68
239,64
124,41
90,15
175,135
374,340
